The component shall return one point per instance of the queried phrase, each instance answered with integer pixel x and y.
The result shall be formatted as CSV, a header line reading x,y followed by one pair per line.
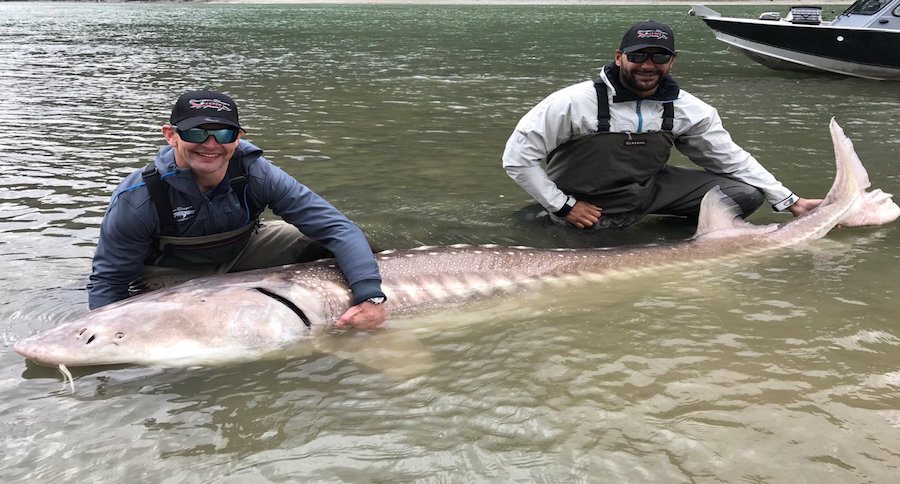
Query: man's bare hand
x,y
803,205
583,215
365,315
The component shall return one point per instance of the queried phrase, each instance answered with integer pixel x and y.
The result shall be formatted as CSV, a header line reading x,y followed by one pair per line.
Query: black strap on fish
x,y
603,109
159,195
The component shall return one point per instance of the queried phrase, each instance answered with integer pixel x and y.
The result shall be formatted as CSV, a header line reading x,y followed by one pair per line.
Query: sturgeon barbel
x,y
253,315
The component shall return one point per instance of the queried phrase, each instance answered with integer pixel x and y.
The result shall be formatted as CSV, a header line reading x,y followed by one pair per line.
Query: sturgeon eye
x,y
120,335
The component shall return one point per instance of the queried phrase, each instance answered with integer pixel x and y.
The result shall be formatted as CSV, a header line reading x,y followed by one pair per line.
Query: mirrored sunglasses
x,y
641,57
199,135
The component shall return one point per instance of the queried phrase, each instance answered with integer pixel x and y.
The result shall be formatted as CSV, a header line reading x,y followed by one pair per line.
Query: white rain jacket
x,y
571,113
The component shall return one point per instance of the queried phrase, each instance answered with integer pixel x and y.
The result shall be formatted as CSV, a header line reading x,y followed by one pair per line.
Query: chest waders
x,y
614,171
218,251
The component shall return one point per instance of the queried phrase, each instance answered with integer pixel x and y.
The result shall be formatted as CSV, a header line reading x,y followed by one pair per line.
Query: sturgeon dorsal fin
x,y
720,216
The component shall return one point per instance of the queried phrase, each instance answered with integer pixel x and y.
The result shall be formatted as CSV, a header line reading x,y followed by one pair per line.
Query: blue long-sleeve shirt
x,y
131,223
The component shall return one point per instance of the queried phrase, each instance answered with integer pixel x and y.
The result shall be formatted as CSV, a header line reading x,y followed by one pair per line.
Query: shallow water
x,y
782,369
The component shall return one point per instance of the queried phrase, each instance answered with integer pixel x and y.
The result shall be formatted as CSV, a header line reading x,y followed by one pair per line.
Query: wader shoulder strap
x,y
159,194
668,116
237,177
602,106
160,198
603,109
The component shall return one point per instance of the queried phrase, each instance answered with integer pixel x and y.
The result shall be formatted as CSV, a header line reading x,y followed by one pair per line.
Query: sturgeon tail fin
x,y
873,207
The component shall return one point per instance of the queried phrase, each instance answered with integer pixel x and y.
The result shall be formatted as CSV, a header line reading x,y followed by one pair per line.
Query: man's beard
x,y
630,82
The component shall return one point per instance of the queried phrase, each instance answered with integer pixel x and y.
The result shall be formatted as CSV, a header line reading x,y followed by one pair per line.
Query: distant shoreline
x,y
546,2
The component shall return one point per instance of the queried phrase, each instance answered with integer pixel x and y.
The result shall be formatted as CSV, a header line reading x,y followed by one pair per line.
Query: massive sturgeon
x,y
253,315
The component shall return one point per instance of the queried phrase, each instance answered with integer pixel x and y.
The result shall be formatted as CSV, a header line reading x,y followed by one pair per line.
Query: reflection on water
x,y
772,370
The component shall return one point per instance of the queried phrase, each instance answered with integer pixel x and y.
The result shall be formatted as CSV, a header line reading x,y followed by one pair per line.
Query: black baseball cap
x,y
194,108
648,34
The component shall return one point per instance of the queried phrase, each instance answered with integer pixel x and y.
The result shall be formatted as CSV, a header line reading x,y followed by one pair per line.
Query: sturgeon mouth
x,y
287,302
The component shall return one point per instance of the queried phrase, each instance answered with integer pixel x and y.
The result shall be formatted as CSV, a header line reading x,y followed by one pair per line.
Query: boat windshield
x,y
866,7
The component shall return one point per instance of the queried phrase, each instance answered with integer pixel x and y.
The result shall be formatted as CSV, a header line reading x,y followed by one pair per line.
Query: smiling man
x,y
196,211
595,154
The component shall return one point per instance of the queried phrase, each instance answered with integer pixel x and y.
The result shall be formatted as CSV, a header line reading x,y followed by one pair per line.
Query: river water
x,y
782,369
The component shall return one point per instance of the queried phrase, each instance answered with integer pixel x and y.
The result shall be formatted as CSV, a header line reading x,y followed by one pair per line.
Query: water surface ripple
x,y
782,369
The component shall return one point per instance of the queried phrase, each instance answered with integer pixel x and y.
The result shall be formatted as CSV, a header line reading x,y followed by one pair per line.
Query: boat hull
x,y
857,52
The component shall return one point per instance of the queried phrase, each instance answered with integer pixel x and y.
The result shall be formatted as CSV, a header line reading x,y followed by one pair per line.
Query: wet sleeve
x,y
547,125
124,244
322,222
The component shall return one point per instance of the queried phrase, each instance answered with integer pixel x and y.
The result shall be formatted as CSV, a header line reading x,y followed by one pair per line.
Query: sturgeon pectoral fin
x,y
397,354
720,216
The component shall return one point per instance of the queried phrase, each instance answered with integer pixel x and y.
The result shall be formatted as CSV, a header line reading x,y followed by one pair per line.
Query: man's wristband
x,y
787,202
366,289
566,208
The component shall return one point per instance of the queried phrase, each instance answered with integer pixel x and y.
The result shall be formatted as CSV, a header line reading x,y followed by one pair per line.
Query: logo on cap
x,y
652,34
216,104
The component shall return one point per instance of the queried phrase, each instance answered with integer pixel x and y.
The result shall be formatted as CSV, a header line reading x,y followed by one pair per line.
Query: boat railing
x,y
867,7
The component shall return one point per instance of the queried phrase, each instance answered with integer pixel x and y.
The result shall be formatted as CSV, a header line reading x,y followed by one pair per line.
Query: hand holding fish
x,y
583,214
803,205
365,316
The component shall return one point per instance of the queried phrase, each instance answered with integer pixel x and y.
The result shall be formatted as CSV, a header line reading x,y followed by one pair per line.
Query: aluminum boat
x,y
863,41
